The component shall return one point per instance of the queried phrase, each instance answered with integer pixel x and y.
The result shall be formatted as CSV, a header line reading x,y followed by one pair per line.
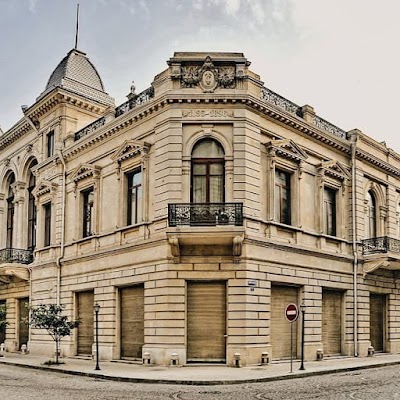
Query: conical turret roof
x,y
77,74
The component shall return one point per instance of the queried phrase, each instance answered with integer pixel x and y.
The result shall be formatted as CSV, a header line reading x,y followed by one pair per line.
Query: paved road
x,y
18,383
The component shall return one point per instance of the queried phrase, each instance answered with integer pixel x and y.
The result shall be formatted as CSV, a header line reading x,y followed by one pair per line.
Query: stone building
x,y
193,214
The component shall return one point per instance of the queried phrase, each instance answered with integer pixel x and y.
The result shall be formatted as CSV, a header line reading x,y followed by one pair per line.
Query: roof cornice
x,y
18,130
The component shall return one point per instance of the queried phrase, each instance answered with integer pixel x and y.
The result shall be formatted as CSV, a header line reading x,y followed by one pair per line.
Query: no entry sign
x,y
291,312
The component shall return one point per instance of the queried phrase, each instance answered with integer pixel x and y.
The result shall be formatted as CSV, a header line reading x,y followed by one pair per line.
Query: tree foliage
x,y
50,318
3,316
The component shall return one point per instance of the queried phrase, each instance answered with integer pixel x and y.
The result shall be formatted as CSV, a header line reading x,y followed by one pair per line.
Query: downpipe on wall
x,y
61,256
353,142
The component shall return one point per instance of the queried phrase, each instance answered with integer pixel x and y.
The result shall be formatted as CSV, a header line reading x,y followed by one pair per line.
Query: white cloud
x,y
32,5
232,6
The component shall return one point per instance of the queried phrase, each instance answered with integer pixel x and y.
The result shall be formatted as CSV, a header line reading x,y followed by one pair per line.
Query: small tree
x,y
48,316
3,320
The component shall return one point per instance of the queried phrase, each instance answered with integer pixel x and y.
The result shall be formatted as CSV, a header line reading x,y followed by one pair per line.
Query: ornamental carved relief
x,y
208,77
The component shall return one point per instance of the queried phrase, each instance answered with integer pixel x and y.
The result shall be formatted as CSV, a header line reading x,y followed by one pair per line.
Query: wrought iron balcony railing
x,y
11,255
205,214
90,128
383,244
136,100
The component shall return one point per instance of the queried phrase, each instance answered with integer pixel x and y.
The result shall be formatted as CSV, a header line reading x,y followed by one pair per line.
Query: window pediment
x,y
334,169
84,171
286,148
130,149
44,187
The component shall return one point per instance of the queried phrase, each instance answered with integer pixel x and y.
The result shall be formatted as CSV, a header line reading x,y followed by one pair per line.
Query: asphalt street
x,y
28,384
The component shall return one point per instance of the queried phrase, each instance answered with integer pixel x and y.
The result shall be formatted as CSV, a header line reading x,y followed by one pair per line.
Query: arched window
x,y
208,172
32,213
10,212
371,215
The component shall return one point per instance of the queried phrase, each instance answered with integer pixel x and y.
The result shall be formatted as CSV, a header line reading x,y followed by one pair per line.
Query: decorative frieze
x,y
213,113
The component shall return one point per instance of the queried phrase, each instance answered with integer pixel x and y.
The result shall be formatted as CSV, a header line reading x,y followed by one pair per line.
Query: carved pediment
x,y
130,149
286,148
84,171
334,169
44,187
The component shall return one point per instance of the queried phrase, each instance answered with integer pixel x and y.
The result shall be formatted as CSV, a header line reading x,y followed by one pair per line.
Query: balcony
x,y
205,214
381,252
11,255
383,244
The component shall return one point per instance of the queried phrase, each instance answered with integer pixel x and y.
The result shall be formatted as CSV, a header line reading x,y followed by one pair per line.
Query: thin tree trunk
x,y
57,344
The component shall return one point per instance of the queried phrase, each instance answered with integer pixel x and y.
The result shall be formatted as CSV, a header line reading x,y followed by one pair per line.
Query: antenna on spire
x,y
77,26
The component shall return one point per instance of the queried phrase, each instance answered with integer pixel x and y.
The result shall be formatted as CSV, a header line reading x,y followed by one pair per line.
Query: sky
x,y
339,56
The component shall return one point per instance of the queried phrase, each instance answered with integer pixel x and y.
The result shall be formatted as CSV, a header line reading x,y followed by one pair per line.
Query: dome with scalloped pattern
x,y
77,74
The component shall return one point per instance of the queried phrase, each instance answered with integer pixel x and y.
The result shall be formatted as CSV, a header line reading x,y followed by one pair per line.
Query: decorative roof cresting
x,y
77,74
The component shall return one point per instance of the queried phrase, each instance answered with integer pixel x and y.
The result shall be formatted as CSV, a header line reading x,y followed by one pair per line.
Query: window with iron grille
x,y
10,214
47,224
87,217
282,197
32,214
50,143
134,197
329,211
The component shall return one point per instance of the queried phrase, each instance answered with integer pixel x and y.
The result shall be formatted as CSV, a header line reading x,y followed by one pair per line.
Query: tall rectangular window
x,y
50,143
87,217
329,211
47,224
134,197
282,197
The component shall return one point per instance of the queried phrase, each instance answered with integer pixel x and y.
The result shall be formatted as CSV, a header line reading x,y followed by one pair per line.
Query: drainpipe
x,y
353,143
61,256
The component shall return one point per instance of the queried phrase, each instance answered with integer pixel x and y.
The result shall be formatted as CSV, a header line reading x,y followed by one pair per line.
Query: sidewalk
x,y
203,374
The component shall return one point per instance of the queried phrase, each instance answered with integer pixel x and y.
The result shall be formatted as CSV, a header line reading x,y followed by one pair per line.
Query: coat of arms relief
x,y
208,77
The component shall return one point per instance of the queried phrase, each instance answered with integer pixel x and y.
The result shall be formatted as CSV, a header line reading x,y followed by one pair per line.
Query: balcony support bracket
x,y
371,266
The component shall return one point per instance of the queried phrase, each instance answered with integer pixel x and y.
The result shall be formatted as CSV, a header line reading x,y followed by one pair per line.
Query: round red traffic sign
x,y
291,312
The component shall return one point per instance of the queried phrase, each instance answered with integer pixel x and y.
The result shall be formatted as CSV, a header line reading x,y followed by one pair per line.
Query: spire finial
x,y
77,26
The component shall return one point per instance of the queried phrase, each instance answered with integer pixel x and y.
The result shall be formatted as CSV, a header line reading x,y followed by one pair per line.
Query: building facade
x,y
193,214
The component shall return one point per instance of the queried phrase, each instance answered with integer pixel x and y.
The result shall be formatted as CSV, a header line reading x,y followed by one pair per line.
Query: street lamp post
x,y
303,312
96,311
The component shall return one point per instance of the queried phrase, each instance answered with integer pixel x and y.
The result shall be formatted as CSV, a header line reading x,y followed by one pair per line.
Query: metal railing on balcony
x,y
383,244
205,214
11,255
87,130
136,100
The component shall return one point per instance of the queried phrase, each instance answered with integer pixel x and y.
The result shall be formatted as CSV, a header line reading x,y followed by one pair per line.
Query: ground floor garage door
x,y
3,316
332,322
132,321
86,316
206,321
281,296
377,305
23,327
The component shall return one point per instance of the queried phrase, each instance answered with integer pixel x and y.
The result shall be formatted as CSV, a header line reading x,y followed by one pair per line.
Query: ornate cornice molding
x,y
364,155
17,131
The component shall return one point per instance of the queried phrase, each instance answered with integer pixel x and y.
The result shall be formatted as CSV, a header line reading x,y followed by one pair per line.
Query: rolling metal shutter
x,y
377,305
332,322
3,334
23,327
86,316
132,321
281,296
206,321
